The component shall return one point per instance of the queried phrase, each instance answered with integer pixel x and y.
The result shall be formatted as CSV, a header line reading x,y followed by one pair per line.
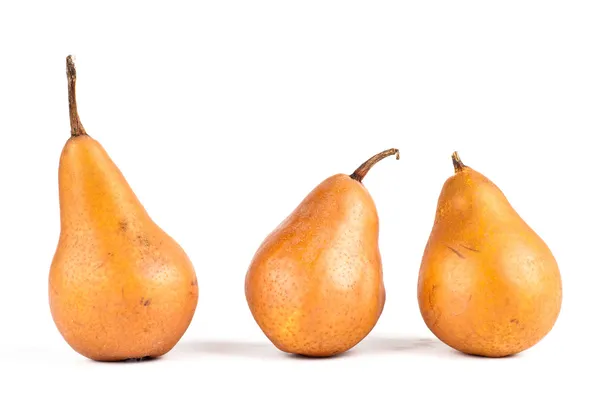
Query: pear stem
x,y
76,126
458,164
364,168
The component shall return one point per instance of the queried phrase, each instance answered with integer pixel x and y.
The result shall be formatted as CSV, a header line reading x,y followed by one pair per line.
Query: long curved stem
x,y
76,126
364,168
458,164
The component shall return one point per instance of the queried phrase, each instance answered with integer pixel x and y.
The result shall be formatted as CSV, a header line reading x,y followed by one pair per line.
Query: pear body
x,y
315,285
488,284
119,286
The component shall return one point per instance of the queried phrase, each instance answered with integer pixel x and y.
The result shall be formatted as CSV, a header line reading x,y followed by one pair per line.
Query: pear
x,y
315,285
119,287
488,284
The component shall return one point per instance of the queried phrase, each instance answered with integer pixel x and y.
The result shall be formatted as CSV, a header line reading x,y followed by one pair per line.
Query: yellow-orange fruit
x,y
488,284
315,285
119,287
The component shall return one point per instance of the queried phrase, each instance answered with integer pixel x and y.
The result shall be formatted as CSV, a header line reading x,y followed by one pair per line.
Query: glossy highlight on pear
x,y
488,284
120,288
315,285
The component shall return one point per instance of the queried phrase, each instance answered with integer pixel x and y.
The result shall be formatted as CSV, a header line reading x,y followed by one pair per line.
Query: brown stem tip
x,y
76,126
364,168
458,164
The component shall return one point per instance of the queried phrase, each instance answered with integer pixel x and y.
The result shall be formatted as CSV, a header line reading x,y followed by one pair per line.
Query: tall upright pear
x,y
119,287
315,285
488,284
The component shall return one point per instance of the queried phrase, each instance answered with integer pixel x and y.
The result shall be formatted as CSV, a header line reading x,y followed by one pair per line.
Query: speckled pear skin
x,y
119,287
315,285
488,284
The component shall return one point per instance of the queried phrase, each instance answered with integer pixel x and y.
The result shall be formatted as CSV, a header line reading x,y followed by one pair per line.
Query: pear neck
x,y
360,173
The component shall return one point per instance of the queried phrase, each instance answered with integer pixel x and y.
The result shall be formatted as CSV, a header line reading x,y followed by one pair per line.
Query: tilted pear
x,y
315,285
488,284
119,287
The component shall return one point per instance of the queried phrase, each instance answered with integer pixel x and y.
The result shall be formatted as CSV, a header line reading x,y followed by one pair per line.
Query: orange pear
x,y
488,284
315,285
119,287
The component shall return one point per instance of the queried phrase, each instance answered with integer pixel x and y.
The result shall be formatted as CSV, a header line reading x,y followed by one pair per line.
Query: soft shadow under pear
x,y
380,345
244,349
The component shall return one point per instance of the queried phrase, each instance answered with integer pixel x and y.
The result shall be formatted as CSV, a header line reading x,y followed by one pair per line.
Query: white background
x,y
223,115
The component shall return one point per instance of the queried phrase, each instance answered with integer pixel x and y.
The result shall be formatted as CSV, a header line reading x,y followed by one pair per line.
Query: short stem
x,y
364,168
76,126
458,164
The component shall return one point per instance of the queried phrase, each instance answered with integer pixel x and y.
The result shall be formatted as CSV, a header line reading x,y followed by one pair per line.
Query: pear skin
x,y
315,285
119,287
488,284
